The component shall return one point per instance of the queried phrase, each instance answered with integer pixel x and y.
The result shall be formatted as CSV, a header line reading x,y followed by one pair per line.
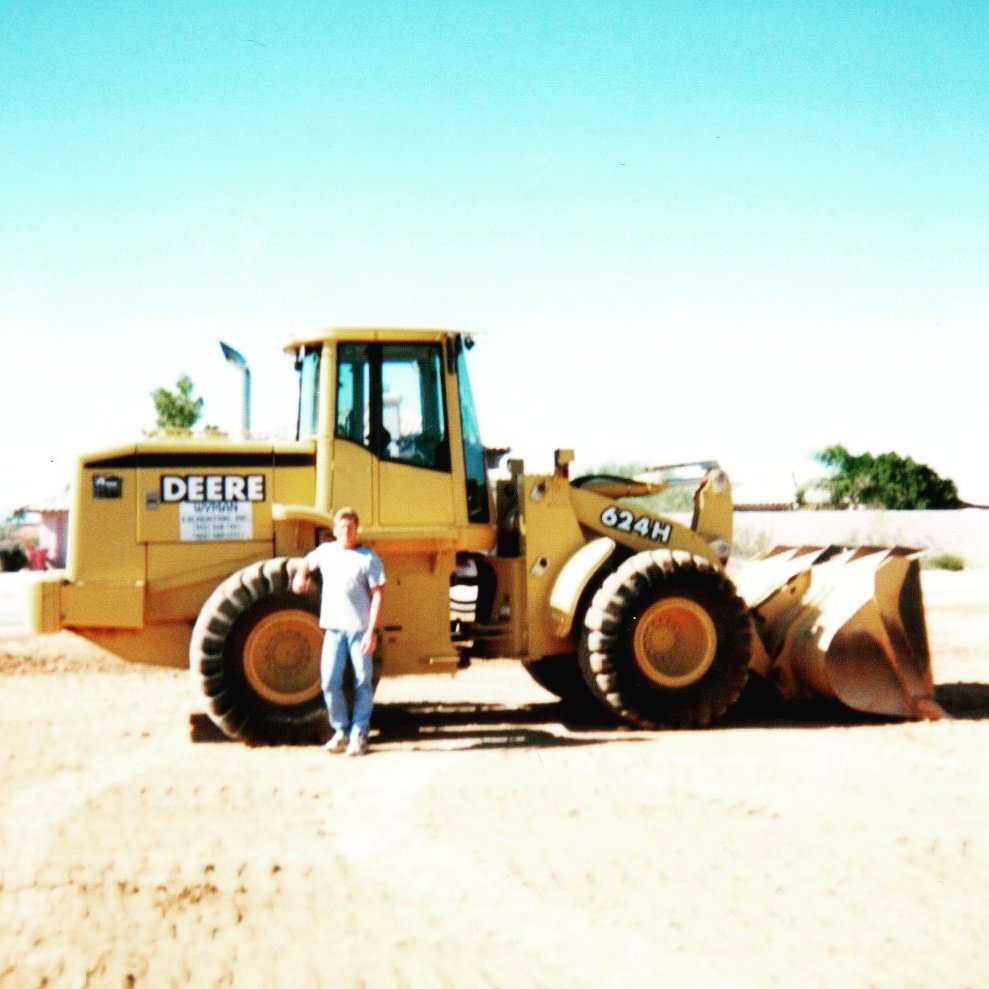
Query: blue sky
x,y
739,231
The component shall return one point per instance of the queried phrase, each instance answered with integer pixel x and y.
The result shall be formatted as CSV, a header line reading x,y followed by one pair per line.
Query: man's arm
x,y
300,581
370,638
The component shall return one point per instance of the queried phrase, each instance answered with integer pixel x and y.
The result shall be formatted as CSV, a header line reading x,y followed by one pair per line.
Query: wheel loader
x,y
182,550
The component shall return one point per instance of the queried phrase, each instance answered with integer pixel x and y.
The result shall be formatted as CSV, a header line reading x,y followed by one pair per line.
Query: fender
x,y
302,513
576,574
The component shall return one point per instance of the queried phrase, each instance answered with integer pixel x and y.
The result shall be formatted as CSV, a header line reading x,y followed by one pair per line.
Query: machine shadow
x,y
476,726
964,701
761,707
466,725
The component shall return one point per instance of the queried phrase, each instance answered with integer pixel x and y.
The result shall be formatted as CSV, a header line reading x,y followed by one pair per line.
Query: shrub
x,y
944,561
751,543
12,556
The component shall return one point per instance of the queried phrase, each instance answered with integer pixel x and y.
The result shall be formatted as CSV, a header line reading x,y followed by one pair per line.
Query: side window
x,y
307,365
478,503
390,401
413,413
354,393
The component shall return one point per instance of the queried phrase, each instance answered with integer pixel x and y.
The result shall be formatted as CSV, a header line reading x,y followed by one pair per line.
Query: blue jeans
x,y
339,648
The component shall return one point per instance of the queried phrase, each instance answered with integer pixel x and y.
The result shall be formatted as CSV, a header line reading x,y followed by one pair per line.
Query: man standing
x,y
353,578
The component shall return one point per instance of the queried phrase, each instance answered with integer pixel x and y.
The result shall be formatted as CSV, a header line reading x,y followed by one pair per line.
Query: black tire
x,y
666,641
561,675
255,652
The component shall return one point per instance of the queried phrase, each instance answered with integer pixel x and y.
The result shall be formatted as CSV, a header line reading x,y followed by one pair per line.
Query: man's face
x,y
346,532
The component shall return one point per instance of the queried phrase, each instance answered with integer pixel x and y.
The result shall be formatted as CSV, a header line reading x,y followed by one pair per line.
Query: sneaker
x,y
337,743
358,744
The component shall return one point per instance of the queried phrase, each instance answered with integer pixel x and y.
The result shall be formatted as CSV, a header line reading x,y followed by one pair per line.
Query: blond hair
x,y
346,512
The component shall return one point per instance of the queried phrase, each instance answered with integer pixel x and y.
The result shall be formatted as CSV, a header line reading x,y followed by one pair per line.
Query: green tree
x,y
177,409
884,481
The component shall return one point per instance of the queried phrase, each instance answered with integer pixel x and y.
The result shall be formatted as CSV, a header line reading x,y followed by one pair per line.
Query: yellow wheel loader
x,y
182,551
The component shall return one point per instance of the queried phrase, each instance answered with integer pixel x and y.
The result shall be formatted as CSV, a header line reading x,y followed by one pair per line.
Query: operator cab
x,y
394,418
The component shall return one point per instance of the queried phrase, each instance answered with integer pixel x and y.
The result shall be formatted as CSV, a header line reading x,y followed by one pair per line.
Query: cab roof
x,y
373,334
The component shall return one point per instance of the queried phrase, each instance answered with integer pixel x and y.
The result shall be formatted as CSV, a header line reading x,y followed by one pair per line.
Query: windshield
x,y
307,364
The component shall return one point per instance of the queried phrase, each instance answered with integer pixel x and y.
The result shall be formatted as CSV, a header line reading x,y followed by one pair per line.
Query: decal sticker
x,y
212,488
216,521
108,486
646,526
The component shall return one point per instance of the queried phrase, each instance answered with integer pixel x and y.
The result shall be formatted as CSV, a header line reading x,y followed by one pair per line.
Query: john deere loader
x,y
182,551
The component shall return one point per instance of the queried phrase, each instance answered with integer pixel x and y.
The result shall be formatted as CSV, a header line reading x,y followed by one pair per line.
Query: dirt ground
x,y
484,842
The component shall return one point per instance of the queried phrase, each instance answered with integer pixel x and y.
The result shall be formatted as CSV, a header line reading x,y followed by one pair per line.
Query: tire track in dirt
x,y
31,819
548,939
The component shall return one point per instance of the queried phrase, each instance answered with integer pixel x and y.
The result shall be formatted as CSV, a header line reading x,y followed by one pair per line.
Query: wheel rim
x,y
674,642
281,656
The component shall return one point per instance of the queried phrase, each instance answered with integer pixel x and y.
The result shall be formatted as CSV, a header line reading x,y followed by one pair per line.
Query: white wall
x,y
964,533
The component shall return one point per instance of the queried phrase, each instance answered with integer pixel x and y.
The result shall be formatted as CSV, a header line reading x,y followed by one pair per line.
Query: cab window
x,y
390,401
478,506
307,366
353,408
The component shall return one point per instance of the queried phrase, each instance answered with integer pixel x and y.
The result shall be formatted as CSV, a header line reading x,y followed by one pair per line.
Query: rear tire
x,y
666,641
255,652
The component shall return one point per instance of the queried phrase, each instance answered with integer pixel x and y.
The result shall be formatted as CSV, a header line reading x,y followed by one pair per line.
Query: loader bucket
x,y
844,623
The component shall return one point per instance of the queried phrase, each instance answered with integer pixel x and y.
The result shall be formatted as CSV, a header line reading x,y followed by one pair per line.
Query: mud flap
x,y
843,623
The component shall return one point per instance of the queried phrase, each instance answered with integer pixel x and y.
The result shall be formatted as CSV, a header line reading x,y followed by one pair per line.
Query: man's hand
x,y
300,582
370,638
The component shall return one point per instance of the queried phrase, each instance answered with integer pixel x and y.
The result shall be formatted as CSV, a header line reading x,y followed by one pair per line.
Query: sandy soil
x,y
484,842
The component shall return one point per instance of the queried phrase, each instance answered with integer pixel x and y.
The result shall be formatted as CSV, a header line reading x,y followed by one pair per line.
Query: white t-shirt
x,y
349,576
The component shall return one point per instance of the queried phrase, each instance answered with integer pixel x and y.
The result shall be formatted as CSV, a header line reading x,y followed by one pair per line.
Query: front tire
x,y
666,641
561,675
255,651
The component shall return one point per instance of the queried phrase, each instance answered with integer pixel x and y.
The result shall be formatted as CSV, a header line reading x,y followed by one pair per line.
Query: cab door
x,y
391,435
